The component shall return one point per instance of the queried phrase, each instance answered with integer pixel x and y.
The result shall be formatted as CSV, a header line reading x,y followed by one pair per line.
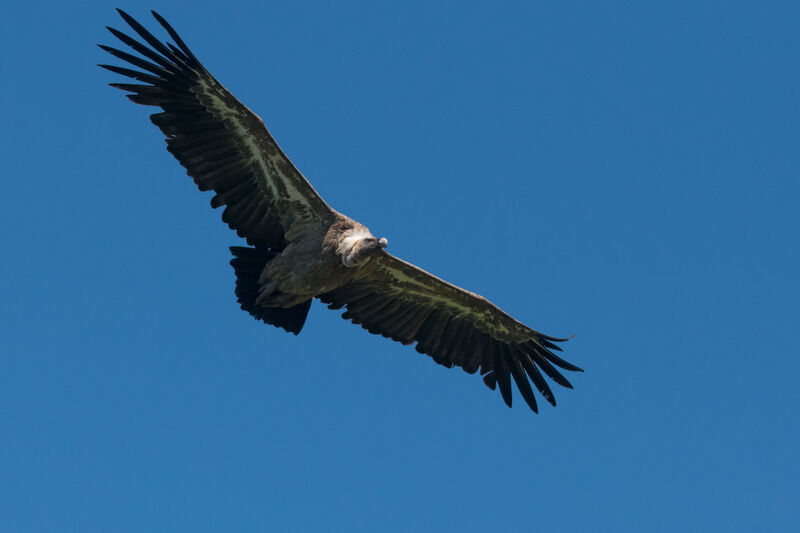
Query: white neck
x,y
351,238
348,247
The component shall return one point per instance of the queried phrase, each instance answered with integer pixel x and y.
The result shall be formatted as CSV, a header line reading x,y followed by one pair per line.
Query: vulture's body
x,y
301,249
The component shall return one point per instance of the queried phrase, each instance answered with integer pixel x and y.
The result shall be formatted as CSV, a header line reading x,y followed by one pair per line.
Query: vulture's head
x,y
357,248
373,243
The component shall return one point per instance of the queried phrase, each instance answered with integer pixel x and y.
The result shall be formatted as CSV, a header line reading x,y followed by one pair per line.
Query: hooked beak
x,y
382,242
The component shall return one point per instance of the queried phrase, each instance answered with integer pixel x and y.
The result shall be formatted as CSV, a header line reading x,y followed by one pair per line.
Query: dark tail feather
x,y
248,264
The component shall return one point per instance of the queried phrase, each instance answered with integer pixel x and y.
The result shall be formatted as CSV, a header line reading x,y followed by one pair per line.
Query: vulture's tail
x,y
248,264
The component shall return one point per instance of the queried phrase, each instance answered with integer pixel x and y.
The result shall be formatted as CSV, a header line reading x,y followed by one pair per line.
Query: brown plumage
x,y
301,249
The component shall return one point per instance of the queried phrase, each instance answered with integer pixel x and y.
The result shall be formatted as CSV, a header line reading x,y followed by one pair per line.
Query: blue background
x,y
623,171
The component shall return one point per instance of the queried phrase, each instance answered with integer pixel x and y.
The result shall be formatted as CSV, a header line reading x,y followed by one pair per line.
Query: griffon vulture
x,y
301,248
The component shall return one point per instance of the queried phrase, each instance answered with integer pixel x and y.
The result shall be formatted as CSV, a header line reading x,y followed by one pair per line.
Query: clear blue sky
x,y
623,171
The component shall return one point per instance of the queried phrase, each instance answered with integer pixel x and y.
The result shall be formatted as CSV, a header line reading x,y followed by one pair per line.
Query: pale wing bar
x,y
222,144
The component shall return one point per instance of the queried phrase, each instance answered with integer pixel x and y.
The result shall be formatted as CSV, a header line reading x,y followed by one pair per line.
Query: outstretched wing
x,y
223,145
455,327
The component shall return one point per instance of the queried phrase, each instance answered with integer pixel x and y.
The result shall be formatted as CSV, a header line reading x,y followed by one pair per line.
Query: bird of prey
x,y
300,248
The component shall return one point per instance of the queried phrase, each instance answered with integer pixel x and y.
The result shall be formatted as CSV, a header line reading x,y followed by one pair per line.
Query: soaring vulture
x,y
301,248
